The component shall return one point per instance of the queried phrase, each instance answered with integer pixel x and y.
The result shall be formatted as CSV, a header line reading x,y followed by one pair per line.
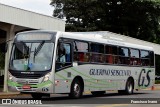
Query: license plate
x,y
26,87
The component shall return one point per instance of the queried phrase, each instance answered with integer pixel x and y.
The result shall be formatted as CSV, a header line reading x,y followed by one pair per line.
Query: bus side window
x,y
124,56
68,52
63,55
97,51
109,59
145,58
115,55
108,52
81,57
81,51
135,57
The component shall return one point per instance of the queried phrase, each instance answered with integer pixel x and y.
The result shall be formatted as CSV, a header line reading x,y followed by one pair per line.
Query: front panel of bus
x,y
31,62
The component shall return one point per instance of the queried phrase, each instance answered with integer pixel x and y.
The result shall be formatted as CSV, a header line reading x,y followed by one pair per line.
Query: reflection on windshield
x,y
24,57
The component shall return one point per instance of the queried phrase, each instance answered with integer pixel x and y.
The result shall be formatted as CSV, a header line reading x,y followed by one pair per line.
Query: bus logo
x,y
144,75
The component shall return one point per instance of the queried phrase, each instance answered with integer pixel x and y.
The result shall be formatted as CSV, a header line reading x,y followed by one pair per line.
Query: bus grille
x,y
29,76
28,82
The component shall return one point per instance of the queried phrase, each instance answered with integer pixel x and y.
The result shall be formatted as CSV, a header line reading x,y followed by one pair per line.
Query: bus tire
x,y
76,89
97,93
36,95
129,87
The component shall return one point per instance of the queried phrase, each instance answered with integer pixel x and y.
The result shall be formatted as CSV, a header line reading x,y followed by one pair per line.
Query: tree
x,y
135,18
58,5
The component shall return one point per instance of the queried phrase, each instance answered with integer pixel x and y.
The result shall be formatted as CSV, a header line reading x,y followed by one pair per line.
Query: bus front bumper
x,y
44,87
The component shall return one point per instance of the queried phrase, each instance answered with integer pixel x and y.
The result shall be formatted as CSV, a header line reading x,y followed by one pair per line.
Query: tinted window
x,y
152,58
108,49
99,48
114,50
81,56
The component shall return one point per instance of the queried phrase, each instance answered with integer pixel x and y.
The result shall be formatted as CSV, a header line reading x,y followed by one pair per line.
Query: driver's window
x,y
63,55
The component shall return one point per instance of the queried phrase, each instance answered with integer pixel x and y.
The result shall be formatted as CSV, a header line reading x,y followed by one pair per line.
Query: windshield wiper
x,y
22,47
38,48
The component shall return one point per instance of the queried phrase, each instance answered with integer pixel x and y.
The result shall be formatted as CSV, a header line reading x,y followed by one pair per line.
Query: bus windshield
x,y
31,56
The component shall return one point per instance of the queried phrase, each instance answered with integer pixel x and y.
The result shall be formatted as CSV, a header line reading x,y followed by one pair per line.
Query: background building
x,y
14,20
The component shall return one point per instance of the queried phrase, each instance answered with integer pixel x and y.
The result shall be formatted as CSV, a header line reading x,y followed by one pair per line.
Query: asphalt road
x,y
145,98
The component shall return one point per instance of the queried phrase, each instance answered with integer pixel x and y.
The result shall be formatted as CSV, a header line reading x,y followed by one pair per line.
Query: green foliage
x,y
135,18
58,5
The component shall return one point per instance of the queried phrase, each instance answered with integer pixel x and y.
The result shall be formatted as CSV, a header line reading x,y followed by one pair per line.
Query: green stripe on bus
x,y
81,73
42,84
108,85
92,80
102,81
98,87
62,77
14,84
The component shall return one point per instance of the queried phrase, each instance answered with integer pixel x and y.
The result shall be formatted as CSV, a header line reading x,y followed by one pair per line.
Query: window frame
x,y
105,54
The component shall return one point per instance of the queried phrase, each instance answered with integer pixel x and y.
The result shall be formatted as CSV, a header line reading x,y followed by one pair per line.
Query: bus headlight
x,y
46,77
10,77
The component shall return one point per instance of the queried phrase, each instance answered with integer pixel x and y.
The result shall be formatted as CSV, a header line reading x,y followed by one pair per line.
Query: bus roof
x,y
103,37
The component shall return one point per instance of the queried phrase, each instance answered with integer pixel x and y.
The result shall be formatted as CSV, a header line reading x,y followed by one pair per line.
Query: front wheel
x,y
76,89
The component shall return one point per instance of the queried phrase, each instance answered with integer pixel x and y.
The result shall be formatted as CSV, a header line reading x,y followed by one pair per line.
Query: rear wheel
x,y
129,87
76,89
36,95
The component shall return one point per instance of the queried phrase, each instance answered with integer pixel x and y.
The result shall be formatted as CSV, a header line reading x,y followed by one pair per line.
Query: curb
x,y
156,87
9,93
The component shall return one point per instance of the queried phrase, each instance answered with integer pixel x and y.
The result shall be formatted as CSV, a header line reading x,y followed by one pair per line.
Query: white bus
x,y
46,62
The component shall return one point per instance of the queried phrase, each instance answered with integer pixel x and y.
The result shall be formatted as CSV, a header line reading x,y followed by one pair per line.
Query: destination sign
x,y
34,36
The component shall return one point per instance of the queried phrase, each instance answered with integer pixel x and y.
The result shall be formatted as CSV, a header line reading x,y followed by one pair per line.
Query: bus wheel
x,y
129,87
36,95
76,89
97,93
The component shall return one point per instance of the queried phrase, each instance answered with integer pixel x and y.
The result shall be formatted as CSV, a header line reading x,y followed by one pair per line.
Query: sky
x,y
38,6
